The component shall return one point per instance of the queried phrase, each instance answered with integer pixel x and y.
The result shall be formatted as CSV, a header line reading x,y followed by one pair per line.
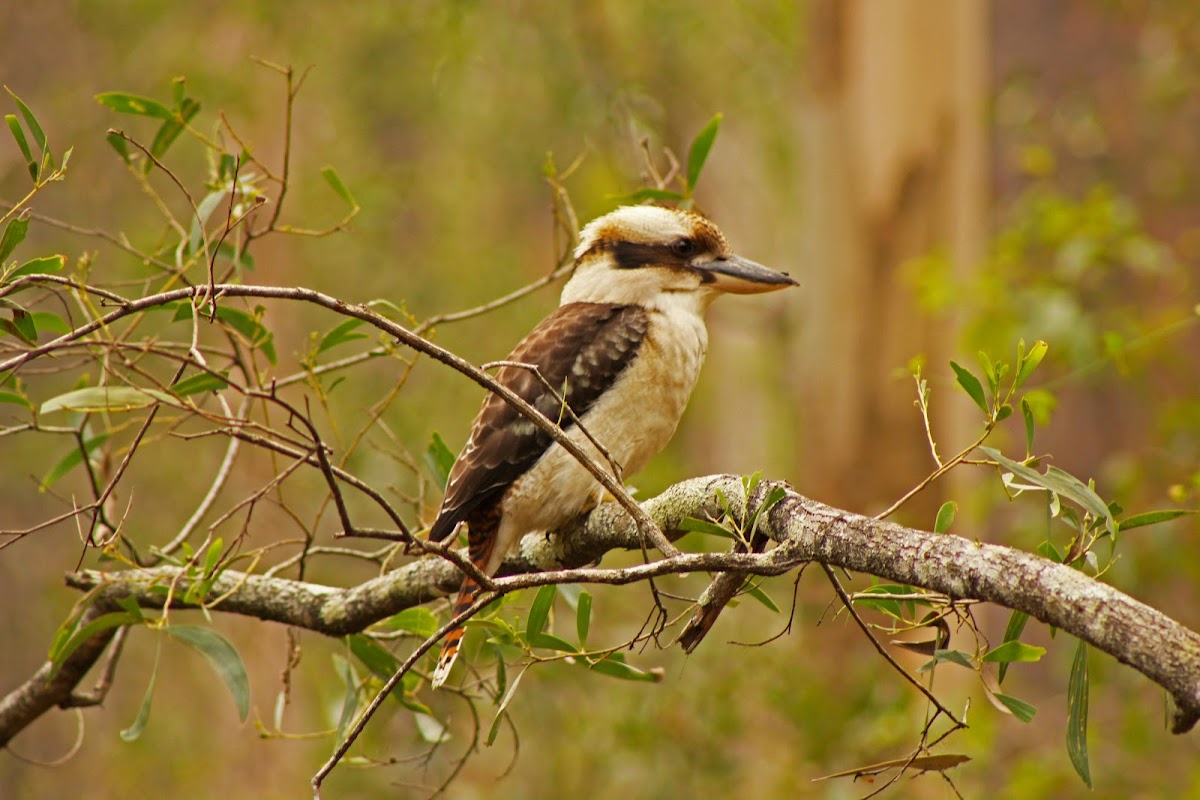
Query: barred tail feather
x,y
482,525
453,641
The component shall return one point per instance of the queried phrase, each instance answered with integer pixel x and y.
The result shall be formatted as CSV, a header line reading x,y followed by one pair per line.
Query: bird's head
x,y
648,255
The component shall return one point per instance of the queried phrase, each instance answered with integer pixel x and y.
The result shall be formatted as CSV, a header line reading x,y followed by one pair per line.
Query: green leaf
x,y
71,460
758,594
169,131
68,641
1016,624
1059,482
14,234
117,142
134,731
693,525
1014,651
1049,551
124,103
1003,412
539,612
990,372
222,657
699,149
49,321
1077,714
339,187
439,460
971,385
15,127
945,516
104,398
15,399
201,382
22,324
340,335
583,617
349,697
244,323
44,265
418,621
614,666
39,136
200,219
948,656
549,641
1026,366
1027,413
1154,517
1020,709
500,710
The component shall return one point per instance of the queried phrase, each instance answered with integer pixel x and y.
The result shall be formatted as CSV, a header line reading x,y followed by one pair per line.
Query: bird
x,y
623,351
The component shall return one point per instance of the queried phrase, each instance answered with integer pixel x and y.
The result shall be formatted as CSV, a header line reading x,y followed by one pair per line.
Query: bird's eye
x,y
684,248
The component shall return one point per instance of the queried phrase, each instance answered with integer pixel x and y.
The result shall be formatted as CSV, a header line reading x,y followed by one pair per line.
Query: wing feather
x,y
580,350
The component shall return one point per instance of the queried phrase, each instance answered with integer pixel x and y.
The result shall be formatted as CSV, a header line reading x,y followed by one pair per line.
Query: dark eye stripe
x,y
631,255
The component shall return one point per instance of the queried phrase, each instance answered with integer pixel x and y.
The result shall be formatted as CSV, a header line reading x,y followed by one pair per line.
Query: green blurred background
x,y
941,176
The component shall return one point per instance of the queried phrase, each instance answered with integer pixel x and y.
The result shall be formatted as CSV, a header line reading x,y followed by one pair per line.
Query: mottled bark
x,y
804,530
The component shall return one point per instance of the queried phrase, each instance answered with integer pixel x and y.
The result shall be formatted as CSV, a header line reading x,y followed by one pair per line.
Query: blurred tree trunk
x,y
894,167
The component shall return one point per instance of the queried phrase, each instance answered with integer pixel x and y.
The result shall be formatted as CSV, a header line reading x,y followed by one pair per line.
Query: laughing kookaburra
x,y
623,350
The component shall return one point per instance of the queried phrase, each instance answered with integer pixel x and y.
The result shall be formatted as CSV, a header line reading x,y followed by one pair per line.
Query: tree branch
x,y
1135,634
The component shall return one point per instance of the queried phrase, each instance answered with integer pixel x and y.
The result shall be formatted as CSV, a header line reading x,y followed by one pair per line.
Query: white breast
x,y
634,420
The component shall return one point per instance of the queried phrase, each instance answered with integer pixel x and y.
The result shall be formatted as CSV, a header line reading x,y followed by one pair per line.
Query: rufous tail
x,y
481,539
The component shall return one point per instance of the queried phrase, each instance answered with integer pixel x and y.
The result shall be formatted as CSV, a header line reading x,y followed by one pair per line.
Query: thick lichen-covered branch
x,y
804,530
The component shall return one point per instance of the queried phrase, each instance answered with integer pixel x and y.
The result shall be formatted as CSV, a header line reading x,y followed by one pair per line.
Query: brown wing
x,y
602,338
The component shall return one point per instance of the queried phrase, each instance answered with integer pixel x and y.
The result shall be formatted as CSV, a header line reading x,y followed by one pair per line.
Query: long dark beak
x,y
738,275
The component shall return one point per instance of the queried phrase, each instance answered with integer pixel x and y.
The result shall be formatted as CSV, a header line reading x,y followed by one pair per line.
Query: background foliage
x,y
439,117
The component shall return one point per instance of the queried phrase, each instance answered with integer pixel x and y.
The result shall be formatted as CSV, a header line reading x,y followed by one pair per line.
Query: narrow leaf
x,y
222,657
134,731
1026,367
340,335
118,143
699,149
1027,413
614,666
1016,625
14,234
539,613
1155,517
439,459
500,710
15,399
1020,709
339,187
1059,482
124,103
64,646
583,617
15,127
418,621
102,398
1077,714
169,131
46,265
1014,651
349,696
693,525
970,385
201,382
39,136
945,517
758,594
71,460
